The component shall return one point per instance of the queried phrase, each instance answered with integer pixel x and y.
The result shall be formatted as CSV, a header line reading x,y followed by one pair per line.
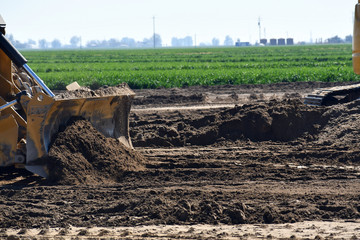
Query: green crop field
x,y
152,68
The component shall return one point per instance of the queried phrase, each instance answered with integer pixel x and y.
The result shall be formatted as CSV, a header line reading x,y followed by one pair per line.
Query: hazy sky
x,y
105,19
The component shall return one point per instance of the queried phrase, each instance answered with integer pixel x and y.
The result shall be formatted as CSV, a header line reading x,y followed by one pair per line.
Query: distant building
x,y
290,41
273,42
281,41
241,44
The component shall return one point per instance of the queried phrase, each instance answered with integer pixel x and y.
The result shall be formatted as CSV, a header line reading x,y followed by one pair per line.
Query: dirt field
x,y
220,162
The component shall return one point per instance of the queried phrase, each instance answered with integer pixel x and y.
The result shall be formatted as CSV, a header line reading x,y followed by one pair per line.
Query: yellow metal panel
x,y
5,77
21,122
356,40
8,140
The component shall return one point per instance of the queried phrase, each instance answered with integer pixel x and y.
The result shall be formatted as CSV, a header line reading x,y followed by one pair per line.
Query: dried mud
x,y
267,158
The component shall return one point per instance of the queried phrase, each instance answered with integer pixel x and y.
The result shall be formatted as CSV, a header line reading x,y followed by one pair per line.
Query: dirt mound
x,y
276,120
342,125
82,155
84,92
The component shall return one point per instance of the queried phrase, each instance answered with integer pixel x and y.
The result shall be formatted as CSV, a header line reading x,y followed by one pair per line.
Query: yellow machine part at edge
x,y
356,40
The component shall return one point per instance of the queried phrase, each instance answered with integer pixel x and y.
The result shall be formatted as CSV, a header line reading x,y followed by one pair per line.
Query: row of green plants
x,y
153,68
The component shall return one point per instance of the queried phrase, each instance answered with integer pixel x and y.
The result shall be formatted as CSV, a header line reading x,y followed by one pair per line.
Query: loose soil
x,y
82,155
83,92
228,155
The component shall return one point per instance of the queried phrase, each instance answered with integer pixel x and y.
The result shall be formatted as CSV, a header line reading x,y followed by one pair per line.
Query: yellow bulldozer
x,y
30,115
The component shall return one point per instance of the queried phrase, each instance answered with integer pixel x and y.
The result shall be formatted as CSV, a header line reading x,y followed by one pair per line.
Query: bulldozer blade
x,y
45,115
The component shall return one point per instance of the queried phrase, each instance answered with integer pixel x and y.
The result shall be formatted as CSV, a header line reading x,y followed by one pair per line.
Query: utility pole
x,y
154,30
259,24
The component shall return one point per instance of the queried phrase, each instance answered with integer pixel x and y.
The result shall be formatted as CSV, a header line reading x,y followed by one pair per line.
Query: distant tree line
x,y
126,42
75,42
182,42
